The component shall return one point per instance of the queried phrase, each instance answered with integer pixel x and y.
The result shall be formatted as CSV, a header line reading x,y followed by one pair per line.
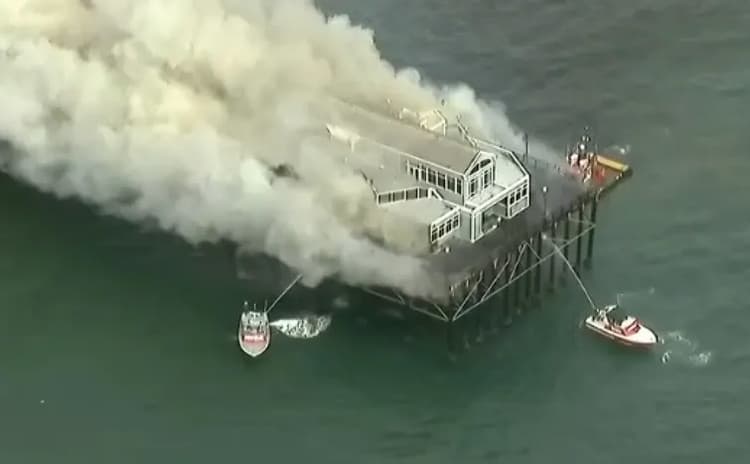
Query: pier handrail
x,y
465,133
544,164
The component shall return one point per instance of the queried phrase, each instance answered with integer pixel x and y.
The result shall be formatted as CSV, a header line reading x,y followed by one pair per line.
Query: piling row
x,y
526,289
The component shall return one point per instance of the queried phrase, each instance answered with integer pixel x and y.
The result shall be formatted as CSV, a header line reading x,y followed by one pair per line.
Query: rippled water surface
x,y
118,345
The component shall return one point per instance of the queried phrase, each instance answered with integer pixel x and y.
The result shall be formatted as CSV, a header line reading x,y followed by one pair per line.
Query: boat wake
x,y
682,350
303,327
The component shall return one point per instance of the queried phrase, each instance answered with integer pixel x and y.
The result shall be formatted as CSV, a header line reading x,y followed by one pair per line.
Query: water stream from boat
x,y
572,271
286,290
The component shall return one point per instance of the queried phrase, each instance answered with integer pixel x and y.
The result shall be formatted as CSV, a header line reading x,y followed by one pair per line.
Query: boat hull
x,y
644,338
256,343
255,347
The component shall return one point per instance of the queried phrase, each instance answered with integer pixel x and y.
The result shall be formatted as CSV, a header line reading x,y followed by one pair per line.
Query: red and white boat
x,y
254,334
621,328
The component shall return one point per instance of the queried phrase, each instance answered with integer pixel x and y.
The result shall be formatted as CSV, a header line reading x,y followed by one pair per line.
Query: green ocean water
x,y
117,343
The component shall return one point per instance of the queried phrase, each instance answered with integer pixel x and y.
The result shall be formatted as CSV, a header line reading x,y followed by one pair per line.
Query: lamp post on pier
x,y
526,147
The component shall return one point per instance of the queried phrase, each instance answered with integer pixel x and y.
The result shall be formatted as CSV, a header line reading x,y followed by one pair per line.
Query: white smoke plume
x,y
177,111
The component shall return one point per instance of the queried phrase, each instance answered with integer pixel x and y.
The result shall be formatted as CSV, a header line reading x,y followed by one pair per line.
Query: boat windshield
x,y
633,327
616,315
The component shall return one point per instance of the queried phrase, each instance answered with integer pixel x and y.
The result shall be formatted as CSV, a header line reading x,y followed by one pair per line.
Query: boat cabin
x,y
620,322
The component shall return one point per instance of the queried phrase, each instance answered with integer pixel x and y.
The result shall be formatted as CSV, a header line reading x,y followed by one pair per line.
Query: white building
x,y
428,171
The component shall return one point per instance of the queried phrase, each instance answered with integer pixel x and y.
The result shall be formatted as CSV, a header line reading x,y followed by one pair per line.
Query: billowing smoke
x,y
178,112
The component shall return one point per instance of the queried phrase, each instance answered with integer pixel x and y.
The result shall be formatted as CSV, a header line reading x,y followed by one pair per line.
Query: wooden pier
x,y
512,270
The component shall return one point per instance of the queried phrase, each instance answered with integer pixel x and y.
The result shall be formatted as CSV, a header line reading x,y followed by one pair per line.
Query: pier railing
x,y
538,163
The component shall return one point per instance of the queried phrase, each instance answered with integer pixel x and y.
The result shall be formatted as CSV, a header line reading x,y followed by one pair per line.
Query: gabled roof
x,y
388,131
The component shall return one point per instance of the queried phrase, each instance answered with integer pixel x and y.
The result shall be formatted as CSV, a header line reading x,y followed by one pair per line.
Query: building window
x,y
438,231
434,177
431,176
472,187
518,195
487,178
480,165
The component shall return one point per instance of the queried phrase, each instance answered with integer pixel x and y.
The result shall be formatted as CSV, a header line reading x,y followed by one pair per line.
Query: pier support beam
x,y
450,338
491,314
507,292
538,270
521,281
482,314
529,274
552,235
475,322
566,251
463,325
579,240
590,250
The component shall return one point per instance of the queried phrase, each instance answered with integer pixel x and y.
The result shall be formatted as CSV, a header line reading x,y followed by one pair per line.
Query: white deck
x,y
406,138
423,210
378,166
507,173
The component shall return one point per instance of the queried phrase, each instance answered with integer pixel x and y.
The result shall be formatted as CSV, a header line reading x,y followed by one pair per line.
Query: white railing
x,y
439,122
465,133
399,195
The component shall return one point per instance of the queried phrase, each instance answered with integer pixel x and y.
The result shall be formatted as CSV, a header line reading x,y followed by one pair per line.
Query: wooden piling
x,y
579,238
566,246
538,270
529,274
592,219
553,235
507,318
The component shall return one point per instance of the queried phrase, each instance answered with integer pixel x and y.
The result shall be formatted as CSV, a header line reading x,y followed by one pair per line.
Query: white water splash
x,y
682,350
303,327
